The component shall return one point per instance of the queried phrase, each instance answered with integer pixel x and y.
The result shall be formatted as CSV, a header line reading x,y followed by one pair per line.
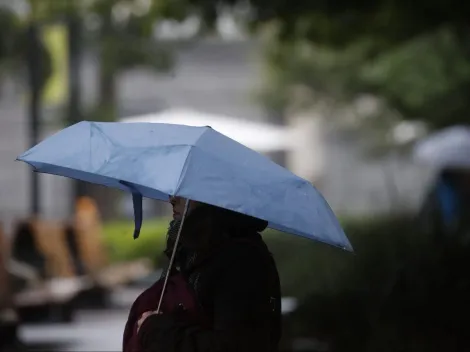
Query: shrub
x,y
305,267
338,291
401,291
122,246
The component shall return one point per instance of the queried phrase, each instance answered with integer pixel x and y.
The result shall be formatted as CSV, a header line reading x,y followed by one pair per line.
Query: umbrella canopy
x,y
449,148
157,160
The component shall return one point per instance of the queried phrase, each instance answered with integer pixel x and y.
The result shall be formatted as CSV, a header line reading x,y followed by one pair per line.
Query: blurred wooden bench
x,y
88,228
6,297
41,261
88,235
57,262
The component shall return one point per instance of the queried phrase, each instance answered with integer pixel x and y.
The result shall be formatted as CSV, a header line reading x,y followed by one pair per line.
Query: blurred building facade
x,y
215,76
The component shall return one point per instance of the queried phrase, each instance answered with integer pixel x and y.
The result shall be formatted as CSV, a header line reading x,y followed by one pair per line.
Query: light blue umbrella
x,y
157,160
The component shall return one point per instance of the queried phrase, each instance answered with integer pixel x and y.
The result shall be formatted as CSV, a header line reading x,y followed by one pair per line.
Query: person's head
x,y
206,225
178,204
195,232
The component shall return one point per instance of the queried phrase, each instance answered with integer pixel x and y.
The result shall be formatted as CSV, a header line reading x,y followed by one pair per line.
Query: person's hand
x,y
145,316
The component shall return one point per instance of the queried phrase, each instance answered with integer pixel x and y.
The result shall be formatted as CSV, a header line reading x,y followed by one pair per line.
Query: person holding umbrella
x,y
446,209
221,289
234,279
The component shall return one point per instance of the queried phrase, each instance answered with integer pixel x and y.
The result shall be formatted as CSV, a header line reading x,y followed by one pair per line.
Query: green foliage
x,y
425,79
50,10
305,267
10,25
125,34
322,72
402,291
15,45
123,38
122,246
10,33
340,23
399,291
414,57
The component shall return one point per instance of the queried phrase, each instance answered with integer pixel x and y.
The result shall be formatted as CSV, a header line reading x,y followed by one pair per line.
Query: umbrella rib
x,y
185,164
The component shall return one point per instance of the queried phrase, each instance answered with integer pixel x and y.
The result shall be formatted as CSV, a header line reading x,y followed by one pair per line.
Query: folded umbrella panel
x,y
218,145
70,147
271,192
146,135
151,158
263,190
155,168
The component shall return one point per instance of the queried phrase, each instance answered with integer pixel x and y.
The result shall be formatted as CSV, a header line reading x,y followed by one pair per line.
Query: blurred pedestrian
x,y
445,213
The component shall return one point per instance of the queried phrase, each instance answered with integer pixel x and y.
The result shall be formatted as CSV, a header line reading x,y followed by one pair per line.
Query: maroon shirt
x,y
178,297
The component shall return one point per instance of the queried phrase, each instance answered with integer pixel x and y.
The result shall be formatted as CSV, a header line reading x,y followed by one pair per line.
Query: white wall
x,y
352,182
306,157
15,176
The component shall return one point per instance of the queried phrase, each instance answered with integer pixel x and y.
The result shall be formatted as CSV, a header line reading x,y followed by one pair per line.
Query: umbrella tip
x,y
136,234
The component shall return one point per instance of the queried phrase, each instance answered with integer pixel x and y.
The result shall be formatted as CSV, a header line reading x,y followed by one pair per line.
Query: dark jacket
x,y
238,289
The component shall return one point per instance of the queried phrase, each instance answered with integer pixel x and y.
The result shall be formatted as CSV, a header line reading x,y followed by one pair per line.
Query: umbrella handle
x,y
173,254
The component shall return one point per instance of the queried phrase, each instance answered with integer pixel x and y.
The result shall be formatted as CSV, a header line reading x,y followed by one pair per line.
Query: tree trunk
x,y
107,199
107,92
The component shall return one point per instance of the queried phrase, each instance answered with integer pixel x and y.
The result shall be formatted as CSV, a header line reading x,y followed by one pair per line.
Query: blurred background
x,y
342,94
